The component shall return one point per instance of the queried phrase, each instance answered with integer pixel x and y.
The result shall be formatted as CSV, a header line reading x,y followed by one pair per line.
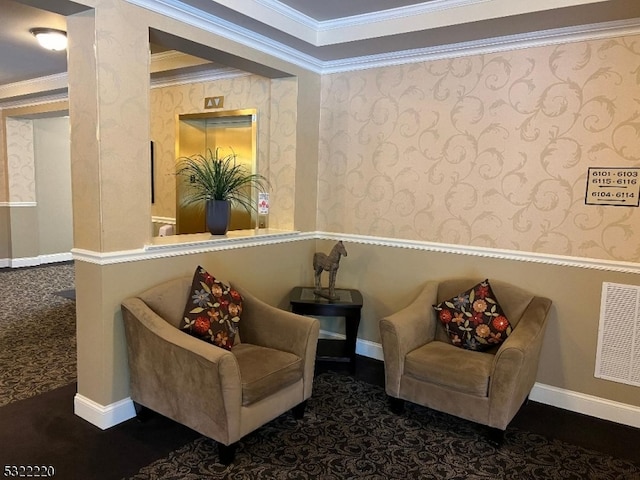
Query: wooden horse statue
x,y
330,263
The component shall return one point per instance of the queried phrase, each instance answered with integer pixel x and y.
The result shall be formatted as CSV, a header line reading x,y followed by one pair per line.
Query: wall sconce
x,y
50,38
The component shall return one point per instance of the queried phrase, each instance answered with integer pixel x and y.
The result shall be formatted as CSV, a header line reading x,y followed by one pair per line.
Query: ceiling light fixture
x,y
50,38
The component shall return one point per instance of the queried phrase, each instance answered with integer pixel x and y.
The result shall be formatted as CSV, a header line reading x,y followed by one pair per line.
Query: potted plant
x,y
219,181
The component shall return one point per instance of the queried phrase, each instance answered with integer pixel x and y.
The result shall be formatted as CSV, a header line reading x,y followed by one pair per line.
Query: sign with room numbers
x,y
617,186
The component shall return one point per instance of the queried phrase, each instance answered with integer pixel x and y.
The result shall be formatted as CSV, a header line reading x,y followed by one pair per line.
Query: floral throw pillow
x,y
474,319
213,310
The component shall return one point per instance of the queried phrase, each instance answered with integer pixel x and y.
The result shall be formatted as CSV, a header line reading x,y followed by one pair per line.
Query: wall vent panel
x,y
618,354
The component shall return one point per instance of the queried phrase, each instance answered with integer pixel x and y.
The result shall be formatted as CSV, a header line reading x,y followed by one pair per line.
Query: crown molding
x,y
196,77
541,38
189,15
195,17
59,79
320,33
35,100
34,91
177,11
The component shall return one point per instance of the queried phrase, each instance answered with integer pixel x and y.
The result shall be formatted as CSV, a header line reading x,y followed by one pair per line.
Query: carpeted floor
x,y
348,431
37,331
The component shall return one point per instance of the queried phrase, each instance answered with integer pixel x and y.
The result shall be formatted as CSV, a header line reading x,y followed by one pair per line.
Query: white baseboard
x,y
103,416
5,262
24,262
363,347
56,258
39,260
587,404
369,349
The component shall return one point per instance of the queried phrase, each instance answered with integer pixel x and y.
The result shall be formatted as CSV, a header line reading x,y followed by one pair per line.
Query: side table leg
x,y
352,322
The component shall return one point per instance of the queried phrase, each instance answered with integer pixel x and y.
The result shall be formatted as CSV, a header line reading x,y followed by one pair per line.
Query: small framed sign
x,y
214,102
617,186
263,203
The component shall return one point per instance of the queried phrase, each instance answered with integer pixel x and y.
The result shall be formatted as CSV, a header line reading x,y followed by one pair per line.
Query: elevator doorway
x,y
229,131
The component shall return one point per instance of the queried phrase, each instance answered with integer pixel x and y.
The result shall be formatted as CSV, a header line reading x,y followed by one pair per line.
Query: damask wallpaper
x,y
20,160
487,150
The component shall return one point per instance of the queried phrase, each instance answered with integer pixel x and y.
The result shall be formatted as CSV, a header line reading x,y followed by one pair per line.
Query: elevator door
x,y
233,131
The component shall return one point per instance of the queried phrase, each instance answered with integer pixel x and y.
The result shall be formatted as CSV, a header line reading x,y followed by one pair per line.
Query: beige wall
x,y
23,238
53,185
36,216
487,150
5,234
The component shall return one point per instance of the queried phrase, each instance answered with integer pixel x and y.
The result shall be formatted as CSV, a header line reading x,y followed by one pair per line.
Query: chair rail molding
x,y
176,245
515,255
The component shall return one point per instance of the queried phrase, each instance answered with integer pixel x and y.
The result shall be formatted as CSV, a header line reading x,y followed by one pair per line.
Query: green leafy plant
x,y
214,177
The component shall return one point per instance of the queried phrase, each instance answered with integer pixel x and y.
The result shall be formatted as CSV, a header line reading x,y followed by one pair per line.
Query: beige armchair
x,y
219,393
423,367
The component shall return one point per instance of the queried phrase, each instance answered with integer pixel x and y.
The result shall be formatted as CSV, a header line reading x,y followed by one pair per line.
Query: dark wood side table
x,y
348,305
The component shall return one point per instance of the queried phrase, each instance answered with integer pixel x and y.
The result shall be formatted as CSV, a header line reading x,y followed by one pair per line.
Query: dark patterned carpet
x,y
348,432
37,331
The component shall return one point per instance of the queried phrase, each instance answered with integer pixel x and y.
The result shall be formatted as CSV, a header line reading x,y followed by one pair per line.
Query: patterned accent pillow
x,y
474,319
213,310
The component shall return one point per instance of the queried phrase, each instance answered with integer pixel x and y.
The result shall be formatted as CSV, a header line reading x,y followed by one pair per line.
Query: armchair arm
x,y
406,330
516,363
182,377
268,326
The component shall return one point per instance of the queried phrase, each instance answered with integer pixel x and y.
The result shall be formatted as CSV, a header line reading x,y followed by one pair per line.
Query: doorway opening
x,y
232,131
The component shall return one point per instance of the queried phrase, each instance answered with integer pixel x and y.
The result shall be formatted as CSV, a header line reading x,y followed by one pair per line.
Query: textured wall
x,y
4,174
488,150
108,74
282,152
20,156
275,103
53,185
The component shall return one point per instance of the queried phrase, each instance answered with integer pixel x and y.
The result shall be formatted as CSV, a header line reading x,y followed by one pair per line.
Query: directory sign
x,y
616,186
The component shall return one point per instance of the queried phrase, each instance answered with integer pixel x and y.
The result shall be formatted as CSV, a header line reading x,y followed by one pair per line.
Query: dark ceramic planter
x,y
218,214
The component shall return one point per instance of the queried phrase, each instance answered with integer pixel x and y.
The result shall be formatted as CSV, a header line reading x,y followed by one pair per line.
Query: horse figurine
x,y
330,263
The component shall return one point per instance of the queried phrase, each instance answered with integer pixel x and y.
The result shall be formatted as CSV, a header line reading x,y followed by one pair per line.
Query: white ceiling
x,y
323,32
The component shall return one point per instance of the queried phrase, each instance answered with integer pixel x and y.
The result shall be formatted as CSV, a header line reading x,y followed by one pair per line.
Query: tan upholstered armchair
x,y
423,367
219,393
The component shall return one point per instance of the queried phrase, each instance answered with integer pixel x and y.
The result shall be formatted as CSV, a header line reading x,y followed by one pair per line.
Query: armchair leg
x,y
495,436
227,453
396,405
142,413
298,410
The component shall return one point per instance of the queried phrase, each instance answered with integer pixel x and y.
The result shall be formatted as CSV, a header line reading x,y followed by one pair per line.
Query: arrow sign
x,y
214,102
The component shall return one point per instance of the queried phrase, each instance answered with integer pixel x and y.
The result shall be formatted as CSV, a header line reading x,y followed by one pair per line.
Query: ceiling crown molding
x,y
197,77
195,17
486,46
320,33
178,11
